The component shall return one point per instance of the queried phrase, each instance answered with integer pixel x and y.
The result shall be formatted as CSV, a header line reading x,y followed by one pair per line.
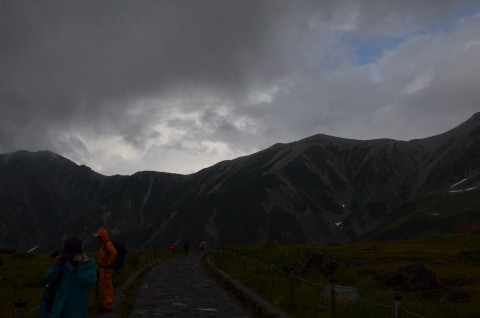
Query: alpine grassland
x,y
22,277
286,276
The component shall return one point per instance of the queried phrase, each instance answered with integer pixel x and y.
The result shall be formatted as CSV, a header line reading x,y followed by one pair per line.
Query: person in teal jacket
x,y
77,274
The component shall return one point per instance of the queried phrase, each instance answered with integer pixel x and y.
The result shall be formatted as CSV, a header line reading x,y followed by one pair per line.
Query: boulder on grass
x,y
325,263
455,294
469,255
341,292
414,277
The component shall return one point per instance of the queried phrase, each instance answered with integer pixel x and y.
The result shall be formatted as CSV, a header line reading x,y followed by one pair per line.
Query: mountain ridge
x,y
318,189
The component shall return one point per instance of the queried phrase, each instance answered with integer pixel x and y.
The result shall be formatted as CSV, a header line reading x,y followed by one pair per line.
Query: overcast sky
x,y
177,86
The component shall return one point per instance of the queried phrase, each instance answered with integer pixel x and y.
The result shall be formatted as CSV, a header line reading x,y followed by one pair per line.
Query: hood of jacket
x,y
103,236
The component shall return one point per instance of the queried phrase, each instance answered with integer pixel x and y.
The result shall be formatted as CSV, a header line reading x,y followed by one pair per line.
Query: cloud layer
x,y
176,86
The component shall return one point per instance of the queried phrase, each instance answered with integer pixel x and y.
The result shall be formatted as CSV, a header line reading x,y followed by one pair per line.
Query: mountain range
x,y
318,189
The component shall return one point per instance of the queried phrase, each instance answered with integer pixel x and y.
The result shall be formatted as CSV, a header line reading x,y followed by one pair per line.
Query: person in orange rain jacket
x,y
105,258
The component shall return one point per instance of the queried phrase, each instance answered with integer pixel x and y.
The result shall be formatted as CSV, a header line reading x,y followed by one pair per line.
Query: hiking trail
x,y
180,287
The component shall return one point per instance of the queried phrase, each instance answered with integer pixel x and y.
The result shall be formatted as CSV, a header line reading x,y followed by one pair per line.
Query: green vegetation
x,y
365,266
21,277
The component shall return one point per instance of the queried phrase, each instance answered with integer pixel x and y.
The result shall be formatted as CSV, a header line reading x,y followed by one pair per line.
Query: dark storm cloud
x,y
73,60
130,85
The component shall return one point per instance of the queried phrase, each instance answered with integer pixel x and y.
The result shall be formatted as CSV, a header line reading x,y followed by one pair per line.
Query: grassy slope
x,y
379,260
21,276
435,214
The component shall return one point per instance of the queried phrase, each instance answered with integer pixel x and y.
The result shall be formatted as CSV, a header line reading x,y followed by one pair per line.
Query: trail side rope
x,y
272,266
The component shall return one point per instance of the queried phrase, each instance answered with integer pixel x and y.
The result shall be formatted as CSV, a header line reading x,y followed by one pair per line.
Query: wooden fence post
x,y
244,264
397,300
332,296
272,278
292,290
19,307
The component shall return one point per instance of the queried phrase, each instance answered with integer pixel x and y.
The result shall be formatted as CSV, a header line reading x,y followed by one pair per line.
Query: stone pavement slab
x,y
180,287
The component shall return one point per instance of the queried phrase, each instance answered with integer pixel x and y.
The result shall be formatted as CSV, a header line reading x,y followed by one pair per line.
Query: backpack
x,y
121,254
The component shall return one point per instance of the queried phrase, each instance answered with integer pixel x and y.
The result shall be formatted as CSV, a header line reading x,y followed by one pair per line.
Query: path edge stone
x,y
253,299
119,293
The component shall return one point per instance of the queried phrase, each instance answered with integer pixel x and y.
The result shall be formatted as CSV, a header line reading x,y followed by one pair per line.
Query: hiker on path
x,y
105,258
75,274
203,244
186,246
171,248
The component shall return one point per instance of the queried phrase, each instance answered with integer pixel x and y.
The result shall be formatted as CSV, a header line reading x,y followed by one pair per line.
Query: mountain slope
x,y
318,189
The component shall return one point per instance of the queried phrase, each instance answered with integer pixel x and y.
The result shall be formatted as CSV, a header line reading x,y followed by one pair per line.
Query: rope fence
x,y
270,280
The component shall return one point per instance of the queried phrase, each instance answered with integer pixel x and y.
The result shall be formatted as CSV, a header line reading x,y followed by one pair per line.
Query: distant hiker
x,y
171,248
105,258
203,244
186,246
197,246
68,283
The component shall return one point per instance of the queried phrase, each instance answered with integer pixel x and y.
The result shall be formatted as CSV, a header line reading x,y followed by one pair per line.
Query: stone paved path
x,y
180,287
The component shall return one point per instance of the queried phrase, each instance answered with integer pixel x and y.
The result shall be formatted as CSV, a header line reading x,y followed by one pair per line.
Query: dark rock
x,y
321,307
304,251
469,255
370,248
290,268
341,292
439,262
455,294
414,277
358,263
370,274
325,263
461,281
